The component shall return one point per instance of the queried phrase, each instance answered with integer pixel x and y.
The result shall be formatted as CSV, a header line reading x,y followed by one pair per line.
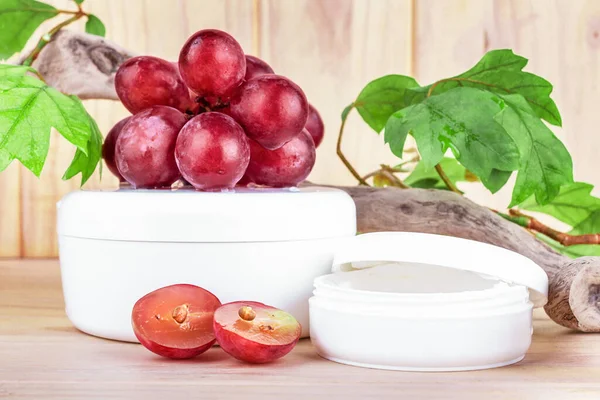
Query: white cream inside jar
x,y
418,290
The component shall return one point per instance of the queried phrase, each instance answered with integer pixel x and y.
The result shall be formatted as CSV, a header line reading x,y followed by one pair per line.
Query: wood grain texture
x,y
10,212
43,356
332,49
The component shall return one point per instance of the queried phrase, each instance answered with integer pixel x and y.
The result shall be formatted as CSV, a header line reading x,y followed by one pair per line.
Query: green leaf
x,y
5,160
423,177
461,119
381,98
573,205
78,1
18,21
576,251
85,162
500,71
95,26
397,130
589,225
29,109
546,164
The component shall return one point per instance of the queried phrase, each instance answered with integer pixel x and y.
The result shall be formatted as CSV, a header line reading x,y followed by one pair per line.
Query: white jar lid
x,y
368,250
243,215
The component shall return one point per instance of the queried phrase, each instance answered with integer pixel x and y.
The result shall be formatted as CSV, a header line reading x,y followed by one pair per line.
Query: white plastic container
x,y
420,302
265,245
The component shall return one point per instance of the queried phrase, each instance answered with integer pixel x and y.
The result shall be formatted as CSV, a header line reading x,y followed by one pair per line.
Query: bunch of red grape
x,y
217,119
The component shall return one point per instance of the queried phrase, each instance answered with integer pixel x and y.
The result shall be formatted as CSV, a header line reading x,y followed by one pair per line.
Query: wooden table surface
x,y
43,357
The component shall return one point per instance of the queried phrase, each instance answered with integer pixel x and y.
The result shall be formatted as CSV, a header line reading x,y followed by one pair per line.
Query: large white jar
x,y
265,245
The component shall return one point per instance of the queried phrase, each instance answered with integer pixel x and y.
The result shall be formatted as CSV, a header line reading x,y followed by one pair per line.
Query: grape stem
x,y
45,39
342,157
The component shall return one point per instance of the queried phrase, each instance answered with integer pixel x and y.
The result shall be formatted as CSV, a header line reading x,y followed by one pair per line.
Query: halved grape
x,y
212,63
254,332
286,166
145,149
314,125
146,81
256,67
212,151
271,109
176,321
108,148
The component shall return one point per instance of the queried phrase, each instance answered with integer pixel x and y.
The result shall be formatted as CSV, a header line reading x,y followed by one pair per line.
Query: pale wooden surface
x,y
43,357
332,48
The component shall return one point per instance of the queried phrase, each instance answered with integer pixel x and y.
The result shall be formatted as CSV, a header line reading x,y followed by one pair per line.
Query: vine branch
x,y
342,157
531,223
45,39
449,184
389,173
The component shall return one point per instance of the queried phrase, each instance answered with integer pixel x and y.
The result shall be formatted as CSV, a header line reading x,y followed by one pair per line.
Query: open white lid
x,y
186,215
368,250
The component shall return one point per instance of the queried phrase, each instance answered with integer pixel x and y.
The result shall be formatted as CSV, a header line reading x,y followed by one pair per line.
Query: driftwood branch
x,y
85,65
81,64
574,299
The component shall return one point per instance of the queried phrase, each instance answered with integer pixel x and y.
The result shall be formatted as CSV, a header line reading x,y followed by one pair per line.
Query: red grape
x,y
108,148
145,81
286,166
256,67
314,125
176,321
212,63
212,151
271,109
254,332
146,146
194,106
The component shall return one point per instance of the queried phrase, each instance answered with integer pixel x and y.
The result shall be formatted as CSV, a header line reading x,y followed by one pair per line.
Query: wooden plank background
x,y
332,48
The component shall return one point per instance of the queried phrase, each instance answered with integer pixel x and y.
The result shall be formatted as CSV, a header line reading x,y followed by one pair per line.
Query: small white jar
x,y
421,302
265,245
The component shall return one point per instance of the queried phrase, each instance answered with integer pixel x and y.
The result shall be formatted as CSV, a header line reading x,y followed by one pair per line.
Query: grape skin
x,y
108,148
212,63
145,149
287,166
212,151
314,125
256,67
271,109
146,81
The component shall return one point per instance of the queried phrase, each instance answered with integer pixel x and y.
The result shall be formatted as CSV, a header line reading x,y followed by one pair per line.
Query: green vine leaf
x,y
381,98
428,178
18,21
29,109
546,164
500,71
573,205
462,120
94,26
